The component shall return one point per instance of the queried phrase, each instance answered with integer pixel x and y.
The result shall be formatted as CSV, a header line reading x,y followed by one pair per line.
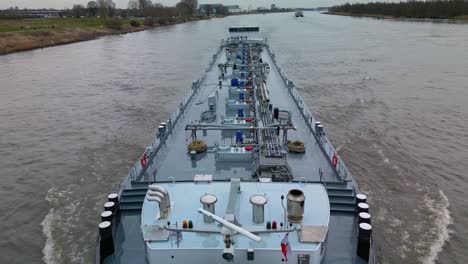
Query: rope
x,y
208,116
296,146
198,145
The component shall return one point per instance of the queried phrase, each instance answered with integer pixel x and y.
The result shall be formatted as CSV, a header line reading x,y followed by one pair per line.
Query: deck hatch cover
x,y
203,178
312,234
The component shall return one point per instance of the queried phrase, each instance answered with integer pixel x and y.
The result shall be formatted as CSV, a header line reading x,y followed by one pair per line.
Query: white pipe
x,y
231,225
157,188
153,199
153,193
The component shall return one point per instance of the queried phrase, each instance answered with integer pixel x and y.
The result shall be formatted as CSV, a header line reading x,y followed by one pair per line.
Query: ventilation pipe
x,y
258,208
295,205
158,194
208,201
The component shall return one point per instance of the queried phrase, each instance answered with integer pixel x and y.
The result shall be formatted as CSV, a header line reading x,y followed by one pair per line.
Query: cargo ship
x,y
241,172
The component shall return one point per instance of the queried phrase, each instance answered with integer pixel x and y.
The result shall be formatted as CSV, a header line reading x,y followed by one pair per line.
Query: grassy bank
x,y
26,34
380,16
438,10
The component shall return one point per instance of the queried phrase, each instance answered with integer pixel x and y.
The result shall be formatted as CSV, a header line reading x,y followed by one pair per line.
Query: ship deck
x,y
172,163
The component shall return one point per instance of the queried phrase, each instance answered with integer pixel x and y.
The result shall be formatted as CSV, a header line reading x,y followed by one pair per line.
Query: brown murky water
x,y
393,96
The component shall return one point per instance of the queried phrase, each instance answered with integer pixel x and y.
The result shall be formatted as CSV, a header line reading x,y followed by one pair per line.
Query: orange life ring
x,y
334,160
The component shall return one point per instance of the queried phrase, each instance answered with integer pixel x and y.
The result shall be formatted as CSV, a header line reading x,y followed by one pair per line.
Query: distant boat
x,y
299,14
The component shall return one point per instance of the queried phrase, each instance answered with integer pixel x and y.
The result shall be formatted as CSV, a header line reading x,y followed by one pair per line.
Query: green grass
x,y
14,25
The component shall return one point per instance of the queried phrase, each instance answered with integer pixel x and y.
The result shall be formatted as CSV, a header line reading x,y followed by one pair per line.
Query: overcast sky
x,y
59,4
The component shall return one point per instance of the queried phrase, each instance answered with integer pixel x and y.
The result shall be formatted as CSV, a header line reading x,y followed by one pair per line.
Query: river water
x,y
393,96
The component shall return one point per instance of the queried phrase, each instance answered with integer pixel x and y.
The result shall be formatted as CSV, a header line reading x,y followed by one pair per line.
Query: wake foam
x,y
49,248
59,227
439,209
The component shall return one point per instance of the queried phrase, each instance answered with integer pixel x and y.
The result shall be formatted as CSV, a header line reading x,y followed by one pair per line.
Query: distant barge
x,y
299,14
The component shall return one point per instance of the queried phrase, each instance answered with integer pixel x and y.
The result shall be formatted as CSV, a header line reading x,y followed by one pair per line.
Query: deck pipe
x,y
106,216
164,125
361,198
364,218
114,197
160,131
363,208
110,206
276,113
106,242
364,241
193,155
318,128
164,194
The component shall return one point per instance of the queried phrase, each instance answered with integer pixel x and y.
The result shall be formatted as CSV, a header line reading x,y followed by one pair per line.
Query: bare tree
x,y
132,4
208,9
183,9
221,10
92,7
106,8
193,5
144,4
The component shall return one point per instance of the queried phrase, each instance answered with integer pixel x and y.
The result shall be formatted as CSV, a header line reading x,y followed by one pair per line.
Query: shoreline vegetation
x,y
28,34
27,29
438,10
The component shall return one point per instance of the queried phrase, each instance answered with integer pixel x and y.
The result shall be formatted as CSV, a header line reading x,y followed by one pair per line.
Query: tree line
x,y
107,8
437,9
136,8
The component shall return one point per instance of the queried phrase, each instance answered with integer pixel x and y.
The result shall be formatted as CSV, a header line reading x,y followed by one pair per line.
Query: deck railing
x,y
310,120
138,171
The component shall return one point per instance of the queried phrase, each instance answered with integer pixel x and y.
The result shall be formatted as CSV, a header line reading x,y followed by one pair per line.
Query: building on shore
x,y
209,9
233,9
34,13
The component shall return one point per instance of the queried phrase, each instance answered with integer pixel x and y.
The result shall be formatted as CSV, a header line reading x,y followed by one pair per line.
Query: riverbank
x,y
458,19
23,35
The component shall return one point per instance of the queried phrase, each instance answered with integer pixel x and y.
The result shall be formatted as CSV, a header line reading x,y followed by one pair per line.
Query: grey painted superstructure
x,y
246,150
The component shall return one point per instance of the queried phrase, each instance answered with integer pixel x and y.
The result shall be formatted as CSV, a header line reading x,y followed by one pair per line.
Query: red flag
x,y
285,246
